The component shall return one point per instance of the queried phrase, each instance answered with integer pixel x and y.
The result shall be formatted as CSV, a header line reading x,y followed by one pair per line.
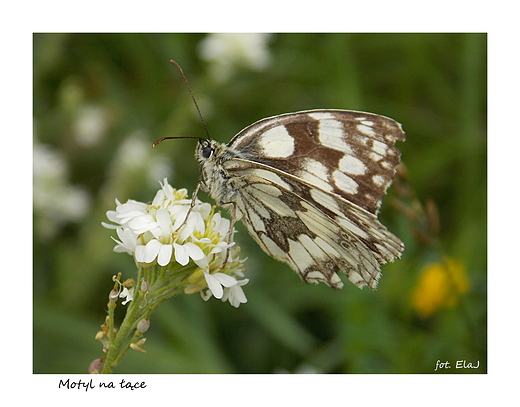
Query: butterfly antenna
x,y
192,96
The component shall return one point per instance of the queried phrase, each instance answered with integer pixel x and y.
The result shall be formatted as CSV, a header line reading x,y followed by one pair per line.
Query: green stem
x,y
117,345
140,307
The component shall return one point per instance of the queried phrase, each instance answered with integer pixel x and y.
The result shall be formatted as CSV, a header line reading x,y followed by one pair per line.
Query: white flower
x,y
172,231
234,294
128,242
135,155
154,250
125,213
155,232
226,51
218,280
56,202
128,294
225,287
91,125
184,252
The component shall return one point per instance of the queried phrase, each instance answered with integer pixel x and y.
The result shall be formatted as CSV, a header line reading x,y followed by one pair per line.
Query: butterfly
x,y
308,187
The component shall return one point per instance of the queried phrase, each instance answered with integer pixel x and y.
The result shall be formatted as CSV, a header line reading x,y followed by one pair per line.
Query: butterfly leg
x,y
193,201
229,238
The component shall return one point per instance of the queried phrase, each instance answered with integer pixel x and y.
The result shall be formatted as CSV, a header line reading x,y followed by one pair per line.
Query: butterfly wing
x,y
308,186
351,154
319,234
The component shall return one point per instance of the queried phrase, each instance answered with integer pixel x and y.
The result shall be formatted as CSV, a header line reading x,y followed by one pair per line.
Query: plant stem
x,y
140,307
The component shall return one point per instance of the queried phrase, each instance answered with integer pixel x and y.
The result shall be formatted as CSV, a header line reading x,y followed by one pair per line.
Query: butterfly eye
x,y
206,151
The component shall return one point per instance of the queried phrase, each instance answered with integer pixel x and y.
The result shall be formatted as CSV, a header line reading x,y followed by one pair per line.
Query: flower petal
x,y
203,263
167,189
128,294
235,295
127,243
193,223
158,199
140,253
204,209
181,255
109,226
214,285
165,254
225,280
180,213
142,224
163,219
112,216
152,250
206,295
194,251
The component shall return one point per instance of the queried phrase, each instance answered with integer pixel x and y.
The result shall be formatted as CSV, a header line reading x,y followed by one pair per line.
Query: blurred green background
x,y
100,100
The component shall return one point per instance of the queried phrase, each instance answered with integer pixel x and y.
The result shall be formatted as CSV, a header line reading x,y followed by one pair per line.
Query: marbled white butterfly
x,y
308,186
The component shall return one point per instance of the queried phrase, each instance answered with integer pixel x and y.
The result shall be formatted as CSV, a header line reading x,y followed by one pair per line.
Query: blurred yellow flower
x,y
439,285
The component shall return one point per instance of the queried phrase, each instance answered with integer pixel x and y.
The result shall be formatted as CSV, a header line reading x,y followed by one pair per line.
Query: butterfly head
x,y
211,151
206,154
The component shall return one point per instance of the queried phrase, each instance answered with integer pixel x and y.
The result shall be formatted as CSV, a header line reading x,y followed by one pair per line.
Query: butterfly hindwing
x,y
317,233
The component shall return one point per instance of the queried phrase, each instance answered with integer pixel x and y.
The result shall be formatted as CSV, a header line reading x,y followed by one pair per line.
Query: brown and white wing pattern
x,y
308,187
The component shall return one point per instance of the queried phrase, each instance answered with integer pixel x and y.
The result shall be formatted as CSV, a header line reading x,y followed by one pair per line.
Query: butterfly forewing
x,y
308,186
349,153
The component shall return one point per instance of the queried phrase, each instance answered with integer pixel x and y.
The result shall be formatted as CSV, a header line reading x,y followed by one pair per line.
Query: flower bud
x,y
144,286
137,345
143,325
95,367
114,294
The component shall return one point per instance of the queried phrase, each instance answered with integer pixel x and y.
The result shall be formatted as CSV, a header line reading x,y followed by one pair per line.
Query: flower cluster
x,y
188,239
440,285
56,201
